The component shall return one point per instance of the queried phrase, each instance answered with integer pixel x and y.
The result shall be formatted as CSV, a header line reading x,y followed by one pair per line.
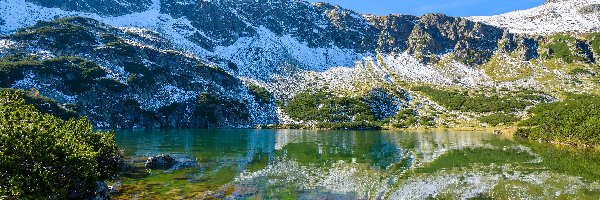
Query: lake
x,y
303,164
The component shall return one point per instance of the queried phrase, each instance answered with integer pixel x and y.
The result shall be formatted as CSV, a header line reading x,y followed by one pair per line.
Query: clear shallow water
x,y
291,164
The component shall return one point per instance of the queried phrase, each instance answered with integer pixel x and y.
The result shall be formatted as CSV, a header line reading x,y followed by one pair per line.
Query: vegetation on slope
x,y
45,157
462,101
372,111
61,33
595,43
499,119
76,73
215,109
261,94
45,104
563,47
574,121
326,107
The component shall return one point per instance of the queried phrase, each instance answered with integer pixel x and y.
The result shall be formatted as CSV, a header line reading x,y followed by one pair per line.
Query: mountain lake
x,y
307,164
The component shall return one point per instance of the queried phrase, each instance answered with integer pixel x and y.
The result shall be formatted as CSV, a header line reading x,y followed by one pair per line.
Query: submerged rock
x,y
162,161
102,191
184,162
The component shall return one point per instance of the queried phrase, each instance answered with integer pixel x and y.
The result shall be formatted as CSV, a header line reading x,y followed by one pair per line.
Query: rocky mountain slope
x,y
115,80
232,63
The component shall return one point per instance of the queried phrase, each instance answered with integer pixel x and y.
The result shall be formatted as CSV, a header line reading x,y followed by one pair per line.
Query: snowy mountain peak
x,y
554,16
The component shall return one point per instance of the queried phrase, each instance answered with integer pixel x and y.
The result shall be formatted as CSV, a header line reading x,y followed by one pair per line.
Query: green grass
x,y
499,70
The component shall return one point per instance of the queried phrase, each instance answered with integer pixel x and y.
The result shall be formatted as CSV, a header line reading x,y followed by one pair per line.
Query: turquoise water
x,y
292,164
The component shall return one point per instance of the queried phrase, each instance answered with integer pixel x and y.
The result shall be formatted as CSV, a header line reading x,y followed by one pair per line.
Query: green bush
x,y
596,44
45,157
76,73
261,94
574,121
112,84
232,66
122,49
214,109
63,34
326,107
499,119
349,125
560,47
45,104
462,101
408,117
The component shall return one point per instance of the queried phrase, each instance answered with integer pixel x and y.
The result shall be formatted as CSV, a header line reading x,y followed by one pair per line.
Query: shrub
x,y
232,66
461,101
560,46
122,48
573,121
261,94
64,34
596,43
499,119
76,73
349,125
46,105
326,107
215,109
45,157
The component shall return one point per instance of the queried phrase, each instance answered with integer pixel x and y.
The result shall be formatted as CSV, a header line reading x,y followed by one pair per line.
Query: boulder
x,y
161,162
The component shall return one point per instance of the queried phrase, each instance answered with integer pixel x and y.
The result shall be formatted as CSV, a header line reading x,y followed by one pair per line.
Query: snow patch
x,y
549,18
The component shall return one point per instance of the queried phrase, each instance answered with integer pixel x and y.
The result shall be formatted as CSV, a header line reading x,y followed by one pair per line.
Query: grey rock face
x,y
221,23
526,47
593,8
161,162
395,31
324,25
435,34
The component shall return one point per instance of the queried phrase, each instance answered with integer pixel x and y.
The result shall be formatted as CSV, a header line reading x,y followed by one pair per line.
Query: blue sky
x,y
448,7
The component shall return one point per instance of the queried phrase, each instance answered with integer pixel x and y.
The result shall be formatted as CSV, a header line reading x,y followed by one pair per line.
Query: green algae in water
x,y
295,164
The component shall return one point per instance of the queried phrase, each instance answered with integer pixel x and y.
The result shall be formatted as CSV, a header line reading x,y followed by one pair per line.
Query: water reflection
x,y
311,164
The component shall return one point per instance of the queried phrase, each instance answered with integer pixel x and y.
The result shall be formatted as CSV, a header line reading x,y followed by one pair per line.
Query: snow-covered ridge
x,y
551,17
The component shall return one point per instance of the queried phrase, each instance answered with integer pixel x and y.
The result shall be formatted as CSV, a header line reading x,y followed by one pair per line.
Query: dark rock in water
x,y
102,191
184,162
162,162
